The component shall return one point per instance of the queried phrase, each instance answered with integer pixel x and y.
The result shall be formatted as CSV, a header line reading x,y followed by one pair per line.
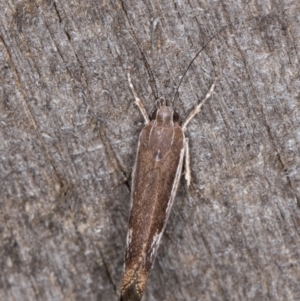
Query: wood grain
x,y
69,132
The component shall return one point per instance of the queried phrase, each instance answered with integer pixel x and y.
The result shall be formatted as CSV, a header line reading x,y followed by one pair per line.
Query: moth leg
x,y
197,109
137,101
187,170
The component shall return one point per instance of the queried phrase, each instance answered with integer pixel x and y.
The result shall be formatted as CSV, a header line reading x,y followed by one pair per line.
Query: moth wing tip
x,y
130,293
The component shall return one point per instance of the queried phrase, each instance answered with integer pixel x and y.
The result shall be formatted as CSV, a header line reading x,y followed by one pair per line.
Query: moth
x,y
162,148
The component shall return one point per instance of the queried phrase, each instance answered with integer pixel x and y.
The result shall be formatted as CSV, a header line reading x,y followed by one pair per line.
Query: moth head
x,y
165,115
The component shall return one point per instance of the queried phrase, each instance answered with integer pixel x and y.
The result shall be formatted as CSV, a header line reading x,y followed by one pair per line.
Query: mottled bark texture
x,y
68,138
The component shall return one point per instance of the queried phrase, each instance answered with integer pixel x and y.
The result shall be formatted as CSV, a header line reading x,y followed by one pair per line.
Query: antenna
x,y
197,54
150,72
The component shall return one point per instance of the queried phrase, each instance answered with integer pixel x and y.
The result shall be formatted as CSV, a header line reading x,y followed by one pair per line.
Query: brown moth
x,y
157,169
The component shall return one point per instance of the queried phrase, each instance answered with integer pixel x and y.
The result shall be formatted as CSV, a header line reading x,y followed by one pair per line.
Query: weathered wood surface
x,y
68,136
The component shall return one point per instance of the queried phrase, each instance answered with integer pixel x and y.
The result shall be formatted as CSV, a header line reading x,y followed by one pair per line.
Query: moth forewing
x,y
155,180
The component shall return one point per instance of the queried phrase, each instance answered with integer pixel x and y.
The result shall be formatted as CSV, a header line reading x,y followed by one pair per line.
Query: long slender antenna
x,y
150,72
197,54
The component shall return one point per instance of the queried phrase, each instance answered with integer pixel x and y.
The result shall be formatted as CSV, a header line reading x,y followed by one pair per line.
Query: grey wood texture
x,y
69,132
